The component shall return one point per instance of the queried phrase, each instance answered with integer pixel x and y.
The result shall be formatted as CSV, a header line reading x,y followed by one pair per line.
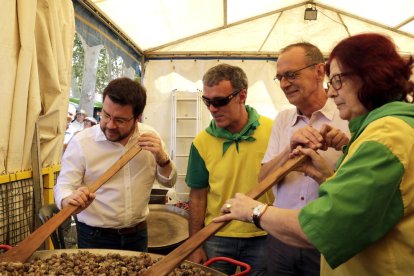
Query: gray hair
x,y
218,73
312,53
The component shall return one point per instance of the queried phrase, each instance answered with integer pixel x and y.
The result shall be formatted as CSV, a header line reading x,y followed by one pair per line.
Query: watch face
x,y
257,209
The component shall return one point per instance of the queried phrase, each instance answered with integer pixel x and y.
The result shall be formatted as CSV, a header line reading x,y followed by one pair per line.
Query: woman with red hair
x,y
363,220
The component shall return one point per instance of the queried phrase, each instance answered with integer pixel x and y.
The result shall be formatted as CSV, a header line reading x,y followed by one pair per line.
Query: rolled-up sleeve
x,y
71,174
357,206
171,179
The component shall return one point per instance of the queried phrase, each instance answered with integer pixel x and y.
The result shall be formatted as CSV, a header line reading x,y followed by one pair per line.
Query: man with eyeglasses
x,y
225,159
300,74
115,216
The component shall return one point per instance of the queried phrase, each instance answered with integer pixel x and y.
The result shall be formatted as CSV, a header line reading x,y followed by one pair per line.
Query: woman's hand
x,y
315,167
240,208
333,137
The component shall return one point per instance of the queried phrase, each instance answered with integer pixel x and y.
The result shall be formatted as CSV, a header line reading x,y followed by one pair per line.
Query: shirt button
x,y
302,198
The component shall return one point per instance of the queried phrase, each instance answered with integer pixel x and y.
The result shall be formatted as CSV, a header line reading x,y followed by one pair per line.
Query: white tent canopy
x,y
164,30
245,27
181,39
205,32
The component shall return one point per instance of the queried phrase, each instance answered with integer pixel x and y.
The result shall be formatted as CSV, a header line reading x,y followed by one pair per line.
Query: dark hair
x,y
218,73
124,91
312,53
374,59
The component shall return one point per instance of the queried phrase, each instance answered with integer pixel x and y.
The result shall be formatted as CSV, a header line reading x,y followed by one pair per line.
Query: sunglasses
x,y
218,102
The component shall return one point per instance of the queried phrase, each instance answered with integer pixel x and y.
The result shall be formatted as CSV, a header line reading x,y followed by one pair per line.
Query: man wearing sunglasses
x,y
300,74
225,159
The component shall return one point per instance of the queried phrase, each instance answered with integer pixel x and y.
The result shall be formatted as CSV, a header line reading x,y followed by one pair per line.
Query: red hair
x,y
374,59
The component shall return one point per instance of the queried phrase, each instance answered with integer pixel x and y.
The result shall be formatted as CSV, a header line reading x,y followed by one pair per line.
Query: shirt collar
x,y
100,136
244,135
328,111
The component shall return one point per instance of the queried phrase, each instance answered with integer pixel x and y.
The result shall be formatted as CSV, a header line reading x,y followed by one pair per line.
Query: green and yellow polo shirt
x,y
229,167
363,222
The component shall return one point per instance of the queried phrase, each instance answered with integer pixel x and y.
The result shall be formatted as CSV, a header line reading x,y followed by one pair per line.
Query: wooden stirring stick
x,y
169,262
23,250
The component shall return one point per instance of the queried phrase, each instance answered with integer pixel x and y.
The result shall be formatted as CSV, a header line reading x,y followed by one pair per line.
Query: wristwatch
x,y
258,211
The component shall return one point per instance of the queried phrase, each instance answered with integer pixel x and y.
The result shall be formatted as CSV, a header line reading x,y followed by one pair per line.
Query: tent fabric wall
x,y
35,50
163,76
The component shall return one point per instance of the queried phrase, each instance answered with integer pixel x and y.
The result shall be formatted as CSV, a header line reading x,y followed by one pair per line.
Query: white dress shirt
x,y
123,200
296,189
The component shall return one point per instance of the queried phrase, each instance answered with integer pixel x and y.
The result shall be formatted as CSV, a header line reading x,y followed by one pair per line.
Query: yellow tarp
x,y
36,41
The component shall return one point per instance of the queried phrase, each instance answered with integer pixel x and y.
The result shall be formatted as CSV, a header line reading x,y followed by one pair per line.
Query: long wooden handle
x,y
23,250
169,262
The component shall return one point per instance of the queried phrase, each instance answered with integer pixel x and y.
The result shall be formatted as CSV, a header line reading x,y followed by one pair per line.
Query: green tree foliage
x,y
109,67
117,64
102,74
77,66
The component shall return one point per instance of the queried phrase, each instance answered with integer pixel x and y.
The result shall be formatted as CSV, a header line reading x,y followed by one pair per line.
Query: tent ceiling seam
x,y
270,31
343,24
405,22
377,24
211,54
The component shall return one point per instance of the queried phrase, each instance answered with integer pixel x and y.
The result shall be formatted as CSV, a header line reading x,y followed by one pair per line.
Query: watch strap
x,y
256,217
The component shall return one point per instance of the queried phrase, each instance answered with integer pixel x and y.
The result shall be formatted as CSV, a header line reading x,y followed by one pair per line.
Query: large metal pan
x,y
167,228
43,254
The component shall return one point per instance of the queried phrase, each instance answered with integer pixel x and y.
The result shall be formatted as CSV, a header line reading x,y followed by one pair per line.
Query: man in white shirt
x,y
115,216
300,73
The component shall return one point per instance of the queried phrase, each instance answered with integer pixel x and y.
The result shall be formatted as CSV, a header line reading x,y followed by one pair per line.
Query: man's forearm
x,y
279,160
197,210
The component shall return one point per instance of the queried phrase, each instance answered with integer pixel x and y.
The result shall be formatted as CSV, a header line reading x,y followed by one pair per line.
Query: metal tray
x,y
167,225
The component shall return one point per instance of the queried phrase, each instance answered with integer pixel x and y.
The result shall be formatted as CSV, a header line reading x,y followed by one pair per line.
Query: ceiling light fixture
x,y
311,13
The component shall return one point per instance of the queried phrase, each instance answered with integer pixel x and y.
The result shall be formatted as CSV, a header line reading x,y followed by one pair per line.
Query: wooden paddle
x,y
169,262
23,250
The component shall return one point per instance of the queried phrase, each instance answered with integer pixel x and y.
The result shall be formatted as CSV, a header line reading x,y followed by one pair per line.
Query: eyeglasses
x,y
291,75
221,101
105,117
336,80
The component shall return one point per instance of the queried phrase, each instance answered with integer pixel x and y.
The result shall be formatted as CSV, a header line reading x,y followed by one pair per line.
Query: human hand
x,y
240,208
333,137
151,142
308,137
315,166
198,256
82,198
